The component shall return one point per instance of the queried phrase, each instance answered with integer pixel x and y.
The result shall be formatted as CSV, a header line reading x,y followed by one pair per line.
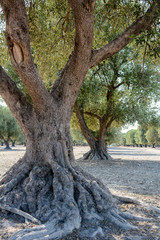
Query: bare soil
x,y
134,173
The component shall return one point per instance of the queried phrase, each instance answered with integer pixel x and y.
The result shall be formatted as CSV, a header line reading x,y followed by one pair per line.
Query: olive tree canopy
x,y
46,183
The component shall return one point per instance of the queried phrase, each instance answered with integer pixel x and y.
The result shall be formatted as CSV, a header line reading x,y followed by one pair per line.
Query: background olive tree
x,y
46,183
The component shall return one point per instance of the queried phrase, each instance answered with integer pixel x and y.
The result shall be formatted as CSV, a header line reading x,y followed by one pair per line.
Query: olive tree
x,y
114,93
46,183
152,136
9,128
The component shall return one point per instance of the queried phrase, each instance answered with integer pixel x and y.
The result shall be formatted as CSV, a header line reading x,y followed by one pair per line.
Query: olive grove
x,y
46,183
9,129
114,93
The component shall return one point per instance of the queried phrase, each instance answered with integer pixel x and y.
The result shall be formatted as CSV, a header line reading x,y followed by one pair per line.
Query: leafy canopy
x,y
119,88
9,127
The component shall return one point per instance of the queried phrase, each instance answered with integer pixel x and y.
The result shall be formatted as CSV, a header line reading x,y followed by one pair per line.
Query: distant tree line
x,y
142,137
10,132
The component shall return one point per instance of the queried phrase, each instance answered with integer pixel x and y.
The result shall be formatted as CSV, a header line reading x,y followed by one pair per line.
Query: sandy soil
x,y
133,172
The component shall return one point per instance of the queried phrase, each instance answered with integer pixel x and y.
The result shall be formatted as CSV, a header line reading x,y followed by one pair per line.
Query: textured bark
x,y
13,142
20,213
46,183
98,148
7,144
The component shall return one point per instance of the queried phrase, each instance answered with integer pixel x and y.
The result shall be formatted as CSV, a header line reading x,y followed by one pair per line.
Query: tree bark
x,y
7,144
98,148
13,142
46,183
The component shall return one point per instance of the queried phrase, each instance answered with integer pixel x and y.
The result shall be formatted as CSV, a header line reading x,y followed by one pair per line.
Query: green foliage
x,y
52,31
140,136
77,137
152,136
123,141
149,118
130,137
9,128
20,140
113,136
113,17
15,77
118,88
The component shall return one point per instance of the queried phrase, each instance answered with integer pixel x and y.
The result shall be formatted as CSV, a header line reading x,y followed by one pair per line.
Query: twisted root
x,y
64,199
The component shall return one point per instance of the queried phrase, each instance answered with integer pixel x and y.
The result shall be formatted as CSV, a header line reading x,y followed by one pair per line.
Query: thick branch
x,y
67,86
109,122
92,115
104,125
84,128
17,37
125,38
16,101
118,85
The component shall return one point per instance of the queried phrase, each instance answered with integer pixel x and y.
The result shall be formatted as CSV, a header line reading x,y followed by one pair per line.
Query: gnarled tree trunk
x,y
6,142
13,142
98,148
46,182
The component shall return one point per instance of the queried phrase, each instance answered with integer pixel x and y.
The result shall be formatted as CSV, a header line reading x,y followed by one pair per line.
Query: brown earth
x,y
134,172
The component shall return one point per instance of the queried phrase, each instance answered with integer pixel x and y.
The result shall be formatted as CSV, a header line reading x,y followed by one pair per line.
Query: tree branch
x,y
84,128
104,125
123,39
118,85
16,100
92,115
67,86
18,41
109,122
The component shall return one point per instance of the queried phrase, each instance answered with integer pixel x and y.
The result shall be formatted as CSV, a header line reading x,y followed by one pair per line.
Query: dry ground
x,y
134,172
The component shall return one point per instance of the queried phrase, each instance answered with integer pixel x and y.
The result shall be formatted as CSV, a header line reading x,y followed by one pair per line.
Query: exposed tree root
x,y
8,148
129,216
127,200
63,198
97,155
150,207
120,221
20,212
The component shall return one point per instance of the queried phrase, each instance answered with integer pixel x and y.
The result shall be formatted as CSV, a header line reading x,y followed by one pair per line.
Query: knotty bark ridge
x,y
84,201
98,149
46,183
97,155
20,213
